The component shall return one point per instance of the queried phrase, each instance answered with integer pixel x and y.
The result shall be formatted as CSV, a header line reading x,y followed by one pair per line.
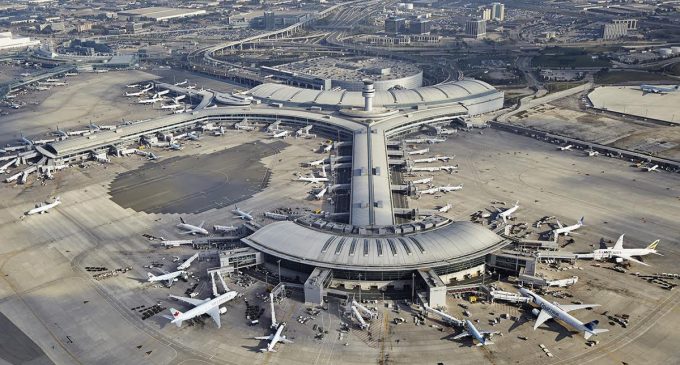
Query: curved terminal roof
x,y
454,242
456,91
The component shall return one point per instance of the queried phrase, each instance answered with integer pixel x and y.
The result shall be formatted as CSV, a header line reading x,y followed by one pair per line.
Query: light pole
x,y
279,262
359,288
413,286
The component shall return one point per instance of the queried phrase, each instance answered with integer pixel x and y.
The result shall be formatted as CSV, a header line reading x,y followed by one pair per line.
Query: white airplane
x,y
224,229
448,168
471,331
426,180
191,229
508,212
650,89
149,101
178,98
592,153
44,207
182,83
242,215
565,148
445,208
171,106
426,160
175,146
327,148
316,163
210,307
185,265
435,140
621,254
560,312
138,93
24,140
568,229
161,93
419,152
282,134
320,194
168,277
132,86
651,168
274,339
78,132
445,158
430,191
56,83
450,188
311,179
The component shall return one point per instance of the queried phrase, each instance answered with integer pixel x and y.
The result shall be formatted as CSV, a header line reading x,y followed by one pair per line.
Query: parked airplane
x,y
450,188
171,106
182,83
435,140
185,265
565,148
560,312
651,89
174,146
419,152
24,140
508,212
138,93
429,191
445,208
168,277
274,339
566,230
178,98
471,331
149,101
241,214
282,134
210,307
651,168
316,163
328,147
592,153
311,179
132,86
161,93
44,207
426,180
320,194
621,254
191,229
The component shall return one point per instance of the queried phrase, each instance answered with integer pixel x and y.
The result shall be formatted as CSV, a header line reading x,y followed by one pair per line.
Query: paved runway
x,y
17,348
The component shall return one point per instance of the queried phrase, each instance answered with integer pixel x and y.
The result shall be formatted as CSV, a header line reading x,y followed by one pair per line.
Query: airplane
x,y
149,101
445,158
182,83
191,229
152,156
565,148
201,307
138,93
471,331
282,134
313,179
566,230
426,160
171,106
132,86
561,312
430,191
43,141
56,83
506,213
24,140
650,89
651,168
42,88
193,136
320,194
274,339
178,98
449,188
445,208
185,265
174,146
161,93
44,207
419,152
241,214
448,168
316,163
224,229
168,277
435,140
620,254
426,180
328,147
592,153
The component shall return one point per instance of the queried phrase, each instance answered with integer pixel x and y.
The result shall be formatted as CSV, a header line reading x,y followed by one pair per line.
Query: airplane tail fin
x,y
652,246
517,203
592,330
175,313
619,243
201,225
182,220
150,275
580,221
558,223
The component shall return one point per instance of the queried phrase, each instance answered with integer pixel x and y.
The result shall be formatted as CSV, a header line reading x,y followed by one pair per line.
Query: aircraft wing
x,y
572,307
214,313
542,317
559,224
268,338
489,332
285,340
461,335
630,258
192,301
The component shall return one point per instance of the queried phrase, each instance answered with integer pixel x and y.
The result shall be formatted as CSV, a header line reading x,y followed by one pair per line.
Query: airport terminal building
x,y
371,248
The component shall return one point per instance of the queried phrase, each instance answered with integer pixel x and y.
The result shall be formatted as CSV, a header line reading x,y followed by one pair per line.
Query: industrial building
x,y
614,30
7,41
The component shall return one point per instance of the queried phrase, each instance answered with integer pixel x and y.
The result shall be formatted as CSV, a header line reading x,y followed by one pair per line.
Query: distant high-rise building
x,y
486,14
614,30
395,25
420,26
498,11
269,20
475,28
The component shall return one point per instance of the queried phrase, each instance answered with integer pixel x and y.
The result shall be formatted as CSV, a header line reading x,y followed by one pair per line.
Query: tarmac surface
x,y
629,100
17,348
194,184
